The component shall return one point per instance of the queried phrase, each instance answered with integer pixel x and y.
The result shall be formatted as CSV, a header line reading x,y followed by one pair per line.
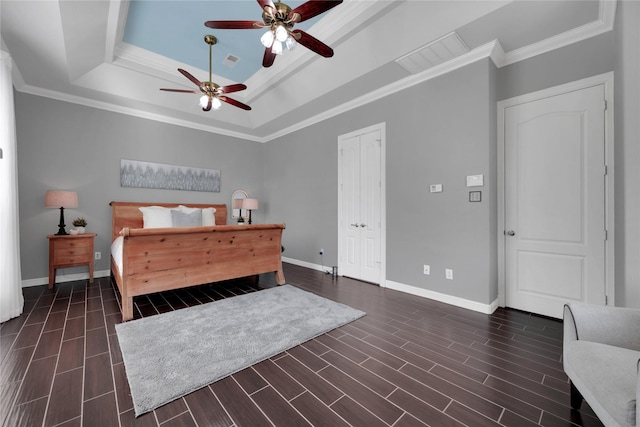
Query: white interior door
x,y
361,205
555,229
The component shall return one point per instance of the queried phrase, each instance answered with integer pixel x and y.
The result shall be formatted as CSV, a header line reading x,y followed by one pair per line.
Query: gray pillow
x,y
182,219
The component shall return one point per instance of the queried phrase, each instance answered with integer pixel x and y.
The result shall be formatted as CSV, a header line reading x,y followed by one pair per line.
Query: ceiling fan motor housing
x,y
280,16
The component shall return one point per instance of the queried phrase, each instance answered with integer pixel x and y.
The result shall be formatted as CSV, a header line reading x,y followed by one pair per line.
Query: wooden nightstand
x,y
70,251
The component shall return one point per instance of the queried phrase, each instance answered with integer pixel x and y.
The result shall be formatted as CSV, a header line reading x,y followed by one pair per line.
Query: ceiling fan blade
x,y
267,3
234,102
234,25
208,107
190,77
233,88
312,43
268,58
312,8
180,90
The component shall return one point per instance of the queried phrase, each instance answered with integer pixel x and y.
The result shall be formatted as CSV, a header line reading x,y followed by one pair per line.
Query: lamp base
x,y
61,226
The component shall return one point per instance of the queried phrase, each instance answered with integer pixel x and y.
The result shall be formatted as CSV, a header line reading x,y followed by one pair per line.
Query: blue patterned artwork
x,y
134,173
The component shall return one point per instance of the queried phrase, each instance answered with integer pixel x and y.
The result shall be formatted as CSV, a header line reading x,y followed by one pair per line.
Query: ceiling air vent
x,y
230,61
434,53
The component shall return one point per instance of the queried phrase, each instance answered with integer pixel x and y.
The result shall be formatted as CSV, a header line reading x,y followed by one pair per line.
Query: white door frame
x,y
605,79
382,127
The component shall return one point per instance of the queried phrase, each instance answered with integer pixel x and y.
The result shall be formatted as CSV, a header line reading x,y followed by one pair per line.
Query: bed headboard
x,y
127,214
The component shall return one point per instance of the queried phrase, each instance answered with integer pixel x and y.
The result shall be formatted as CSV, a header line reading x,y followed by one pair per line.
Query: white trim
x,y
61,96
382,128
64,278
447,299
607,80
318,267
606,17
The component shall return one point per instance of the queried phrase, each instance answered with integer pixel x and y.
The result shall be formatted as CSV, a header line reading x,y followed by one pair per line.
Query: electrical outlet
x,y
427,269
448,273
321,252
98,255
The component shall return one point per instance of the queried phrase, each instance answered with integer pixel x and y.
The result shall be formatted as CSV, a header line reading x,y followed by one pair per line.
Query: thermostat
x,y
475,180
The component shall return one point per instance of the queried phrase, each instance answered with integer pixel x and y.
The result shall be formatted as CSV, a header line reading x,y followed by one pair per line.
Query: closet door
x,y
360,222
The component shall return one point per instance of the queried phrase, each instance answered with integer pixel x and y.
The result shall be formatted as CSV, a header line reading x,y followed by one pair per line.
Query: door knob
x,y
511,233
363,225
355,225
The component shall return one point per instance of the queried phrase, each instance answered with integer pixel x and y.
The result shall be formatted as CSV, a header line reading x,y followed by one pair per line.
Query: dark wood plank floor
x,y
409,362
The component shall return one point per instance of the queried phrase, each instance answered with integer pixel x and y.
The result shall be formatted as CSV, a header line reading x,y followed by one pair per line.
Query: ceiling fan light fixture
x,y
204,100
276,48
290,43
281,33
215,103
267,39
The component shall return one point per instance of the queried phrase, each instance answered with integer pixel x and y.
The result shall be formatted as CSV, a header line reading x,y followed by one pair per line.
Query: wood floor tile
x,y
206,410
238,405
372,401
319,414
278,379
355,414
66,397
278,410
409,362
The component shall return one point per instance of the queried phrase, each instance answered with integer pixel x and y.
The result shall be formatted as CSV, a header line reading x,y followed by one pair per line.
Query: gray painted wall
x,y
64,146
437,132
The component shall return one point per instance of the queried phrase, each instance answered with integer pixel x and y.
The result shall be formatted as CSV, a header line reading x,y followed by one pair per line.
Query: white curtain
x,y
11,299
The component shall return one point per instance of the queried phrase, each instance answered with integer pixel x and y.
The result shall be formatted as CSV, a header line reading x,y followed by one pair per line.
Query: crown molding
x,y
604,23
60,96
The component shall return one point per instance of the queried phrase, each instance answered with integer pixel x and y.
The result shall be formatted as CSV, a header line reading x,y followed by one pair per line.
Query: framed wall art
x,y
134,173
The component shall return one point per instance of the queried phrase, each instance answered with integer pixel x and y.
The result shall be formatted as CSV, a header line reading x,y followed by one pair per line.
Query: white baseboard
x,y
447,299
64,278
312,266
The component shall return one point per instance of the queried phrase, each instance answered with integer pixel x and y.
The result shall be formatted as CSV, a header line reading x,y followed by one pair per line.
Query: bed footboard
x,y
161,259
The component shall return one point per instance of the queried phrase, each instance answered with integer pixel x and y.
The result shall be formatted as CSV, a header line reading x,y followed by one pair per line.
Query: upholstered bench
x,y
601,356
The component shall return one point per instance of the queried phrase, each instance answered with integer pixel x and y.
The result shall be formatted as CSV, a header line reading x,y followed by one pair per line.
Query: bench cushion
x,y
604,376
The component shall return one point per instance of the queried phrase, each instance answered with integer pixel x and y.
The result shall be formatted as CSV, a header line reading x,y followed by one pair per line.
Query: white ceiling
x,y
74,51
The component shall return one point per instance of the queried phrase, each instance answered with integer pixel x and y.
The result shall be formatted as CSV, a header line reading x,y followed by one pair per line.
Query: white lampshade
x,y
61,199
281,33
276,48
290,42
267,38
250,204
215,103
204,101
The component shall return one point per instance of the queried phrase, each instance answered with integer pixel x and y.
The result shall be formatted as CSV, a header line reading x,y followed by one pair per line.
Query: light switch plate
x,y
435,188
475,180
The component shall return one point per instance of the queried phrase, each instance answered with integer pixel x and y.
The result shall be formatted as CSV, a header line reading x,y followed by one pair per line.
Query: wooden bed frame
x,y
160,259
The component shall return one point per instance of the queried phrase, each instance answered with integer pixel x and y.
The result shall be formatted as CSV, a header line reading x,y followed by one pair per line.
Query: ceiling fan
x,y
280,19
213,93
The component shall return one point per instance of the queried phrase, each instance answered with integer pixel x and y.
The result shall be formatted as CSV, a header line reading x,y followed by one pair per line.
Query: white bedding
x,y
116,251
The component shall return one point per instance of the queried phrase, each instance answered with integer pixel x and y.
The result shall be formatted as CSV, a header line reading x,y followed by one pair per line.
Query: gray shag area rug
x,y
173,354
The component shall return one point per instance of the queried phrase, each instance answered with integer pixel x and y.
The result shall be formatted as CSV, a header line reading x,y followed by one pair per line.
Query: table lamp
x,y
61,199
249,205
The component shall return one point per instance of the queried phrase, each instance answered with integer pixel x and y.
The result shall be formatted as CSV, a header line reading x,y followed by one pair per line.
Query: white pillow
x,y
208,216
156,217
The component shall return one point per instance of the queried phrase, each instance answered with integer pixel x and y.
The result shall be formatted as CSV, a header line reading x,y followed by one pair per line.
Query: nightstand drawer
x,y
72,244
71,256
